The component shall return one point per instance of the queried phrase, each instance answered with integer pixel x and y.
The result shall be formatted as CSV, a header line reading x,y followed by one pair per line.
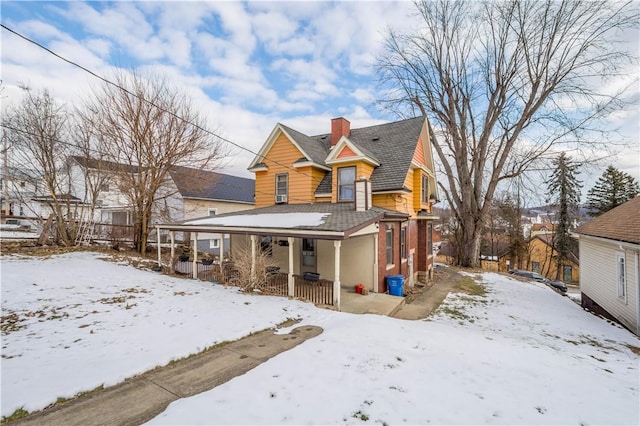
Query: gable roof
x,y
205,184
391,144
619,224
104,165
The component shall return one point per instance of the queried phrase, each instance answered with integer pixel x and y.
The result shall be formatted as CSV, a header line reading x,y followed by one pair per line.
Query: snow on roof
x,y
266,220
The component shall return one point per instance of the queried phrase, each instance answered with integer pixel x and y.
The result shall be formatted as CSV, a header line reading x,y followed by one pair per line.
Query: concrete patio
x,y
372,303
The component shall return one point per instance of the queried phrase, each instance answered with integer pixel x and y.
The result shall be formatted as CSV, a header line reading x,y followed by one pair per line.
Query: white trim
x,y
266,147
219,199
621,285
261,168
332,158
261,231
622,244
214,210
300,164
324,195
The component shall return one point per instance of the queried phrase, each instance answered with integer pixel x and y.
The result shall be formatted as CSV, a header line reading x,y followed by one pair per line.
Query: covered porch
x,y
314,250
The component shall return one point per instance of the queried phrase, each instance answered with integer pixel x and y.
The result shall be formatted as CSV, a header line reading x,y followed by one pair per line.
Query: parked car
x,y
558,285
528,274
555,284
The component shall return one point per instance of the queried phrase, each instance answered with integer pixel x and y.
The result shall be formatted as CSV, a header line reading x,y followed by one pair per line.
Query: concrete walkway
x,y
427,301
141,398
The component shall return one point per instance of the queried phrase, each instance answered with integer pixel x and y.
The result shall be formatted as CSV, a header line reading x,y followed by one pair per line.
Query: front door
x,y
308,255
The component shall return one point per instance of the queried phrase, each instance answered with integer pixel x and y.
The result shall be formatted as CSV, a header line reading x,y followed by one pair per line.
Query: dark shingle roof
x,y
193,183
620,224
390,144
104,165
343,216
315,147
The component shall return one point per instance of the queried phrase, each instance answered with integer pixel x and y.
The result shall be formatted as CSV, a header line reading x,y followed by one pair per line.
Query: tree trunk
x,y
469,245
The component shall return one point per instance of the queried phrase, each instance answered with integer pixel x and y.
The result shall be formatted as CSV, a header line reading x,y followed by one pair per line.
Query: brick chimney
x,y
339,127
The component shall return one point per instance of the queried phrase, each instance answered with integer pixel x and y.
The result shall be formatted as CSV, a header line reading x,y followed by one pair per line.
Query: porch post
x,y
336,275
159,251
195,255
173,249
290,282
221,255
375,263
253,258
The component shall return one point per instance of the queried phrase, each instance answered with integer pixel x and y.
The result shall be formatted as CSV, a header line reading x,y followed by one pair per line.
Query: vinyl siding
x,y
599,280
302,181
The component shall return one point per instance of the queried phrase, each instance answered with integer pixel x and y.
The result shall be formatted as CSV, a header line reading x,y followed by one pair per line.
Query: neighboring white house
x,y
188,193
609,263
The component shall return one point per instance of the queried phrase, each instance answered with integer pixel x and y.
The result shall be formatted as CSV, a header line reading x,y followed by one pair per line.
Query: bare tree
x,y
37,128
503,82
145,127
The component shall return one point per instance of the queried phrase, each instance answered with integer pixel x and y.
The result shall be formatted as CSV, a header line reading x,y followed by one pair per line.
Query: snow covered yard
x,y
73,322
521,354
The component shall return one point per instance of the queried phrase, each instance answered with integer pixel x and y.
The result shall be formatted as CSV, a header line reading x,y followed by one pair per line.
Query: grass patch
x,y
18,414
469,286
455,313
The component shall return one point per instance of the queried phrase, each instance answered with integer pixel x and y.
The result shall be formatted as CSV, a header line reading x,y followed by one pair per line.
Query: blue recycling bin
x,y
395,284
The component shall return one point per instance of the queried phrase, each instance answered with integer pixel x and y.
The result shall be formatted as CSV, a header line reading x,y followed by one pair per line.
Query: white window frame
x,y
350,184
214,211
389,243
214,243
286,184
621,275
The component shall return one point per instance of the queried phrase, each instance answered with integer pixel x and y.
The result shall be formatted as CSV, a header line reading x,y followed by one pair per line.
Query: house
x,y
201,193
17,188
187,193
352,205
542,229
610,277
543,260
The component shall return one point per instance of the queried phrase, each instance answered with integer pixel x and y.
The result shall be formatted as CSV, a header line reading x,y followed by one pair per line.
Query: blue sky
x,y
246,65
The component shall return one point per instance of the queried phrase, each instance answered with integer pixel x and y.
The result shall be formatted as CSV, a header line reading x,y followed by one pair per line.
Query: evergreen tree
x,y
564,194
613,188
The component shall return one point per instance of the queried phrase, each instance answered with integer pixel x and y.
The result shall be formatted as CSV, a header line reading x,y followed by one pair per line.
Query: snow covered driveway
x,y
522,354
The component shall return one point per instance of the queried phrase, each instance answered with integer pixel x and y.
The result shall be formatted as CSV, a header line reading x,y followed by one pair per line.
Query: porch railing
x,y
319,292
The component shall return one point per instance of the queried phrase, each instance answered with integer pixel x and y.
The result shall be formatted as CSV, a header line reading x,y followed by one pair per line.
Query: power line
x,y
70,144
105,80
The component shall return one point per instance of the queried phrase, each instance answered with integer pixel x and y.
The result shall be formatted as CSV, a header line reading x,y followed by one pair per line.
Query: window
x,y
535,266
429,239
214,243
567,273
425,189
266,245
212,212
389,244
22,210
282,185
104,187
622,275
346,183
403,243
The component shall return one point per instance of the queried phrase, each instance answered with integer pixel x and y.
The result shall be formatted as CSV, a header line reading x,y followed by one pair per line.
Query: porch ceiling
x,y
314,220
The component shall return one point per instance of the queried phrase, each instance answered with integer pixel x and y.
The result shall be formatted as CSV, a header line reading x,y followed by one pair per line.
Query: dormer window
x,y
346,183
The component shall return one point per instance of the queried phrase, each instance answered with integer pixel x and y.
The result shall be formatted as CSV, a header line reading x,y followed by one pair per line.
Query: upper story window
x,y
346,183
282,187
213,212
403,243
425,189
